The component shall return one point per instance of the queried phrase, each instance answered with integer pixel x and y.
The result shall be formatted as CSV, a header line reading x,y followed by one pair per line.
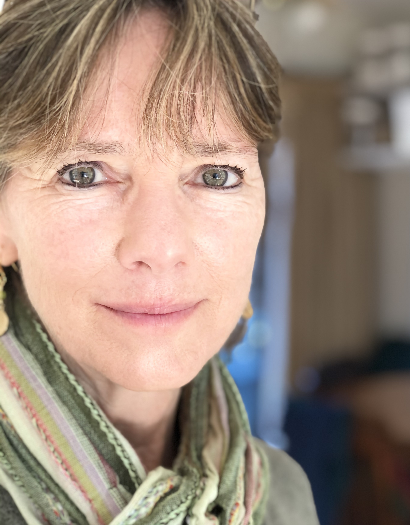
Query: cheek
x,y
227,237
61,248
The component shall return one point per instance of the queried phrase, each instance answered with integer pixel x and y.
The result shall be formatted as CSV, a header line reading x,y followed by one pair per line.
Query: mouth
x,y
152,315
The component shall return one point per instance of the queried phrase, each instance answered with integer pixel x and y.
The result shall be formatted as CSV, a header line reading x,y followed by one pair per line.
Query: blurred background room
x,y
324,367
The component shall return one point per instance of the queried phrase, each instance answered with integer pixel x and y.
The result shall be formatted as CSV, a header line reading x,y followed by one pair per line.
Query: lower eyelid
x,y
225,188
70,185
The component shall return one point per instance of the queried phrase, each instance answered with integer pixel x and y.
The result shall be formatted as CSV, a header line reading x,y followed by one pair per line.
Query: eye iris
x,y
82,176
215,177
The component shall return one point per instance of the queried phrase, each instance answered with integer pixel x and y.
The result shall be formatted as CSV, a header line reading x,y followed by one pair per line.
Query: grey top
x,y
290,499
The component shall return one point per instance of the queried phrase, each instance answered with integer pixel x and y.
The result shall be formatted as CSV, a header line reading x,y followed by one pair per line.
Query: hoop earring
x,y
239,331
248,312
4,318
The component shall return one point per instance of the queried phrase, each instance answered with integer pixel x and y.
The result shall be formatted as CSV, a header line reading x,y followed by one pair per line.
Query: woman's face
x,y
105,266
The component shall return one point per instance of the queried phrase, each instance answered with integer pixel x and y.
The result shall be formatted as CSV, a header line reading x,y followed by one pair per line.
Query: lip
x,y
152,315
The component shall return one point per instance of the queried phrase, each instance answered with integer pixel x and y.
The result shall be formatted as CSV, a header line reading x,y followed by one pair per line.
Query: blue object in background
x,y
319,436
274,293
244,365
259,364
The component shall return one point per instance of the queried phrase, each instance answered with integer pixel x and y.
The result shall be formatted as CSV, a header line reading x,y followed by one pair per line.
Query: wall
x,y
334,311
394,253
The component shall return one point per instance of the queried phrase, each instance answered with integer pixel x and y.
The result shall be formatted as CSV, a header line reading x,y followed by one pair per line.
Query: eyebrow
x,y
99,148
203,149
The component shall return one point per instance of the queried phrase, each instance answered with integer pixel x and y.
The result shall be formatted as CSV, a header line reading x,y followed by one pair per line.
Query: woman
x,y
131,207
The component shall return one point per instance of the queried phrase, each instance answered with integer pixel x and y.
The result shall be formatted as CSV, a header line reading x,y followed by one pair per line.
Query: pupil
x,y
82,176
215,177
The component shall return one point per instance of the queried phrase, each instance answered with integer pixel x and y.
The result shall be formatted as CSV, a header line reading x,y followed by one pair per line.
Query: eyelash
x,y
240,172
63,170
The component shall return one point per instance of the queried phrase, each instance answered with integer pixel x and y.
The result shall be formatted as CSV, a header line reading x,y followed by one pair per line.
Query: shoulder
x,y
9,514
290,500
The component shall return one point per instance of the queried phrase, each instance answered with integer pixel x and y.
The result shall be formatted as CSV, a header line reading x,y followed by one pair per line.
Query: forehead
x,y
115,93
116,97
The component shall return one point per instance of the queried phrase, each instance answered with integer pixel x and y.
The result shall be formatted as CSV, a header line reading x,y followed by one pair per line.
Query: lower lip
x,y
155,320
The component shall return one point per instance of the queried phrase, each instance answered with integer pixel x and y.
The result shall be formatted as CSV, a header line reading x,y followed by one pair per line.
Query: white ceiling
x,y
308,42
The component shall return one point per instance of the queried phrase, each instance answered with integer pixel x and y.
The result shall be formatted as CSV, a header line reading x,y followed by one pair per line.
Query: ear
x,y
8,248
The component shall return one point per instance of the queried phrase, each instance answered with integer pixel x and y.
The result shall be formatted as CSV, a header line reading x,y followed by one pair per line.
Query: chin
x,y
154,378
156,368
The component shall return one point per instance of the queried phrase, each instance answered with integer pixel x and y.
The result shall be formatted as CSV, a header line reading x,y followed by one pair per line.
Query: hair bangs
x,y
213,65
214,62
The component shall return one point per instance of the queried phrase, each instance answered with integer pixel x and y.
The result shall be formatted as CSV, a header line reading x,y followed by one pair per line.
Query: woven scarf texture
x,y
63,462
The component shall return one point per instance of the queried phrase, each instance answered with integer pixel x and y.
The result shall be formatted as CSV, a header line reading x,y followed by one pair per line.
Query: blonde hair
x,y
49,50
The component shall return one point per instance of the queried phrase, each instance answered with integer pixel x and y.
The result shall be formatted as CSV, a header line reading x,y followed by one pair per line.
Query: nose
x,y
156,234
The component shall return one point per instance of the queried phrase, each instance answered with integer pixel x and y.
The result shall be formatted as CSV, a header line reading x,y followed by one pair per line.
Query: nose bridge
x,y
156,230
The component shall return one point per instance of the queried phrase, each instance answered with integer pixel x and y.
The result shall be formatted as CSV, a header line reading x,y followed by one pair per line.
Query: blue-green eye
x,y
215,177
82,176
223,177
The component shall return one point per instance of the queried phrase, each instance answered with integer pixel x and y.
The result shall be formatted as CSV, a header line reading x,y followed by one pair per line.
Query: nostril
x,y
134,254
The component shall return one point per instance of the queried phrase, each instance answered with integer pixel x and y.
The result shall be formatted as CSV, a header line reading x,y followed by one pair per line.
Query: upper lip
x,y
152,309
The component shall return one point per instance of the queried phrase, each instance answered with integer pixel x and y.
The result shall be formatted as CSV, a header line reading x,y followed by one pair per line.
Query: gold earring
x,y
4,318
248,312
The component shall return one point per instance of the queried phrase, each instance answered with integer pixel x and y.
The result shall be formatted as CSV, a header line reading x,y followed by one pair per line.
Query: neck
x,y
146,419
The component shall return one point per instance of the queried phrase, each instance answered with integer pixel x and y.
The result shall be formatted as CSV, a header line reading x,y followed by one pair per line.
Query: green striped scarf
x,y
63,462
